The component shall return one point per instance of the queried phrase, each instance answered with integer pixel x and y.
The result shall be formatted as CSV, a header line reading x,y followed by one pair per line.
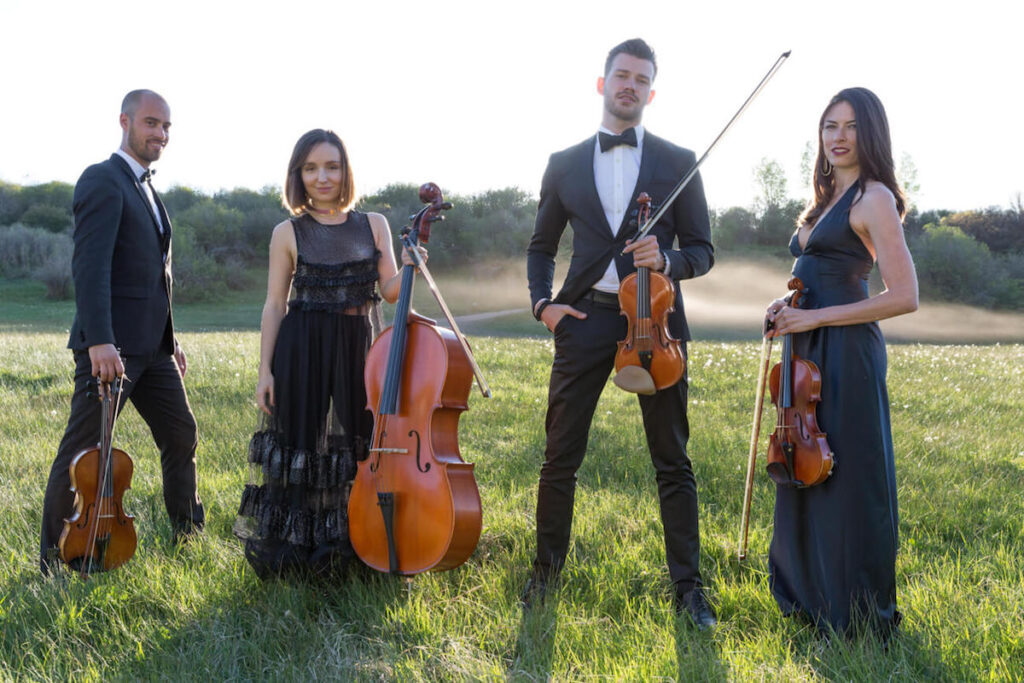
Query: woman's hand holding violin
x,y
785,319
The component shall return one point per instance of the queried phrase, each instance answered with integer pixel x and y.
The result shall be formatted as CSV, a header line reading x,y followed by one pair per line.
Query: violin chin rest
x,y
635,380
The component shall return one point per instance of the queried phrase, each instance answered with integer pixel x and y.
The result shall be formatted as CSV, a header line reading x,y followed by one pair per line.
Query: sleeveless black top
x,y
336,265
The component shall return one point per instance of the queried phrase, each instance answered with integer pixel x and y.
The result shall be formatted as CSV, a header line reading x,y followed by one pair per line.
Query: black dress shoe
x,y
536,589
697,607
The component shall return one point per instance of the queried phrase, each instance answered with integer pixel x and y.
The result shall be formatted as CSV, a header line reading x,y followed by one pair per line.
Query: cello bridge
x,y
389,450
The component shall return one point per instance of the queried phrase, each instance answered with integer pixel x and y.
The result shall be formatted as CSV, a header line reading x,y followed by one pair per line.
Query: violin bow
x,y
755,434
410,247
646,227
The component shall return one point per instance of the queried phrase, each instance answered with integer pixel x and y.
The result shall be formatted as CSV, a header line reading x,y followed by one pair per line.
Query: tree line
x,y
221,240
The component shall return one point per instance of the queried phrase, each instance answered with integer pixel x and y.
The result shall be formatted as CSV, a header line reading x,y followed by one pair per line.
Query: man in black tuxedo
x,y
593,186
122,326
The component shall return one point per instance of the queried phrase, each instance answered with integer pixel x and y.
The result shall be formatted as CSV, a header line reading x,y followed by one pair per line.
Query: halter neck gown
x,y
833,552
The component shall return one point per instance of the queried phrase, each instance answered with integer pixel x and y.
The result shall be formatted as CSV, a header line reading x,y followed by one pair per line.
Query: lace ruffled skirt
x,y
293,513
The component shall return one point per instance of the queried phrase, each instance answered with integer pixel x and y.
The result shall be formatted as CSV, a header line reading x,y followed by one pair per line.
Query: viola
x,y
798,451
100,536
414,504
649,358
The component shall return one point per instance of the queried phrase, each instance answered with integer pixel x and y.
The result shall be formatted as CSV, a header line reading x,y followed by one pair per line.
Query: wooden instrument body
x,y
813,462
98,512
798,452
647,330
437,513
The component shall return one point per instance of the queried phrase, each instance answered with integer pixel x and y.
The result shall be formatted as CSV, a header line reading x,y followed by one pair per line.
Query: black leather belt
x,y
602,298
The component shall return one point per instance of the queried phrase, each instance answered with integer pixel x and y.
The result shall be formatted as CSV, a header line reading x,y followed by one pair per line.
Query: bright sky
x,y
475,95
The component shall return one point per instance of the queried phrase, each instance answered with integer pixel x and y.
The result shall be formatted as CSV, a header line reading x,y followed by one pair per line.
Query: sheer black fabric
x,y
833,551
293,514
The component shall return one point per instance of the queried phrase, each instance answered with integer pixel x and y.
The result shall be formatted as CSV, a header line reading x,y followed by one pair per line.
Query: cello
x,y
100,536
414,504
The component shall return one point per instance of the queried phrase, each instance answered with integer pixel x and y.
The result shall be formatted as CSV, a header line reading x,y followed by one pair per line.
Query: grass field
x,y
199,613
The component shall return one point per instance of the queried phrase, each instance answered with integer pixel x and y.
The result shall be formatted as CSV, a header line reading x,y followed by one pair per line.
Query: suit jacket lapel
x,y
165,220
586,163
145,199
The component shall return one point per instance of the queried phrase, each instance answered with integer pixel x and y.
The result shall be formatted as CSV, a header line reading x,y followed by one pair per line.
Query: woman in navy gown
x,y
833,550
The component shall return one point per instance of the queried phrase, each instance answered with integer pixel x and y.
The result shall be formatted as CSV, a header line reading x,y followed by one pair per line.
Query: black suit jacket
x,y
121,264
568,194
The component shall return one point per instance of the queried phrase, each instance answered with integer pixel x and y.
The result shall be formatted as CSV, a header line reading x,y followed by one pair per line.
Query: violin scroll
x,y
430,194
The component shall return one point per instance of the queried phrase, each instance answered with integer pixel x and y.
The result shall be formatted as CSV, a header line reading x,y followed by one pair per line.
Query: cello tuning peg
x,y
447,205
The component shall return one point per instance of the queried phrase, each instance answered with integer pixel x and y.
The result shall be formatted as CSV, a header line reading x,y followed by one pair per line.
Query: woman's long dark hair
x,y
874,153
295,191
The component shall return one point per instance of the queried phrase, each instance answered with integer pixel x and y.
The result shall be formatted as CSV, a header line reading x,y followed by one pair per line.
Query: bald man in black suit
x,y
123,325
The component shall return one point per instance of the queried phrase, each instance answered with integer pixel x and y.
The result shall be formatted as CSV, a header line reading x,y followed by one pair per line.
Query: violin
x,y
798,452
101,535
414,504
649,358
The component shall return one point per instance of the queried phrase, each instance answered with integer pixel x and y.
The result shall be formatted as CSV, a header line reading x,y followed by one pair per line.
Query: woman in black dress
x,y
333,259
833,550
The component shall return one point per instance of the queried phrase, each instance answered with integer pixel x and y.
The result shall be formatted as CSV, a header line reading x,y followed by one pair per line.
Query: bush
x,y
776,224
216,229
24,249
197,275
1001,230
952,266
55,272
51,218
12,203
179,199
734,227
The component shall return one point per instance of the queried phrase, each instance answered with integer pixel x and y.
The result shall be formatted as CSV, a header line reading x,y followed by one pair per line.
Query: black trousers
x,y
158,394
584,358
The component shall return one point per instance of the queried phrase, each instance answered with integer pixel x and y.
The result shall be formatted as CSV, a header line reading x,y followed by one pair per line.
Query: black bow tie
x,y
608,141
146,175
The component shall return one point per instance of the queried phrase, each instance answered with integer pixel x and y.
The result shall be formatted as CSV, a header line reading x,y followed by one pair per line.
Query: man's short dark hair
x,y
635,47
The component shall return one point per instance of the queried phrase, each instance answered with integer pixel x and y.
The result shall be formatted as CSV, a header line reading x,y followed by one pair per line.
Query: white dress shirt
x,y
615,175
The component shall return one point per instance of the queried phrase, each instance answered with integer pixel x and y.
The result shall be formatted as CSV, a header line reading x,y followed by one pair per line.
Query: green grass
x,y
199,613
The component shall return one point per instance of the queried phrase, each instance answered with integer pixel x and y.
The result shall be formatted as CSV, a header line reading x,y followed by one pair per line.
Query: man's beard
x,y
140,148
617,110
